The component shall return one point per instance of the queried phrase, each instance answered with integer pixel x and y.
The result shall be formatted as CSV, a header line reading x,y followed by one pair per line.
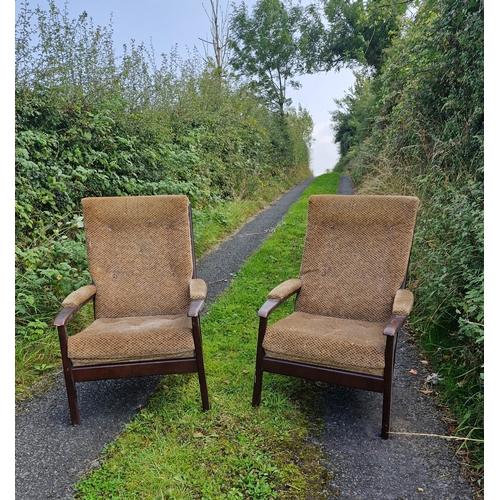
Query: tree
x,y
266,48
349,32
219,31
354,119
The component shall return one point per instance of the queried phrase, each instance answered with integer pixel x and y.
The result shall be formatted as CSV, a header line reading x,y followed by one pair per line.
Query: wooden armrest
x,y
269,306
73,303
278,295
396,321
65,315
195,307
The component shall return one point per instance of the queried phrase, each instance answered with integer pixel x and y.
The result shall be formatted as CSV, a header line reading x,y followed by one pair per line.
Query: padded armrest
x,y
80,297
198,294
73,303
403,302
197,289
285,289
401,307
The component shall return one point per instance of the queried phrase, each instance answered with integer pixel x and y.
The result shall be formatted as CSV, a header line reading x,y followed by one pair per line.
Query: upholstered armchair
x,y
351,299
146,296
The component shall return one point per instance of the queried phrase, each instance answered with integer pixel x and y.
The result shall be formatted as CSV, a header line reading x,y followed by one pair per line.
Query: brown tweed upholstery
x,y
325,341
284,289
403,302
140,259
354,261
139,254
79,296
119,340
355,255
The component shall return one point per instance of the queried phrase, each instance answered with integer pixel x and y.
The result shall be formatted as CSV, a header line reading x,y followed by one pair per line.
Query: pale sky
x,y
166,23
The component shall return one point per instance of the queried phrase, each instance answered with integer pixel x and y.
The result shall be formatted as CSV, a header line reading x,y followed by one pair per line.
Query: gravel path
x,y
51,455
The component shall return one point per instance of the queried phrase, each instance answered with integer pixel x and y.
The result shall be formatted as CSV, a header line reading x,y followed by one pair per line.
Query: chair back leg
x,y
204,391
386,413
257,386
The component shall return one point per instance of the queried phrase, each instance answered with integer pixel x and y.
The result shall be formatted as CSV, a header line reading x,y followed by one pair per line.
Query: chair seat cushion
x,y
140,338
345,344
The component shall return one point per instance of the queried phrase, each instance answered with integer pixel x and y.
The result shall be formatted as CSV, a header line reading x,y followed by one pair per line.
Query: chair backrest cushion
x,y
355,255
139,254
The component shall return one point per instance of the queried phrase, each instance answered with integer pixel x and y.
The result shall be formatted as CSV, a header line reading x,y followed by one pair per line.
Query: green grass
x,y
212,224
174,450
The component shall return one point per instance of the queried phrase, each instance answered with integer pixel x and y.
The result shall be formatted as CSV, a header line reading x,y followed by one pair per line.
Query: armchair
x,y
146,296
350,297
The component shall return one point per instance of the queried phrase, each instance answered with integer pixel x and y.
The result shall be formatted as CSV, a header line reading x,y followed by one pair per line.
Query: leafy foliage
x,y
266,48
354,119
349,33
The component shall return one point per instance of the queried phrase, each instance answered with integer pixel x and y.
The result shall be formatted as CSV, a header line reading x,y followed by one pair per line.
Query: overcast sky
x,y
167,23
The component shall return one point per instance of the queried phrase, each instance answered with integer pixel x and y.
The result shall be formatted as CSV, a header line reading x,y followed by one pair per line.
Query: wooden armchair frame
x,y
329,375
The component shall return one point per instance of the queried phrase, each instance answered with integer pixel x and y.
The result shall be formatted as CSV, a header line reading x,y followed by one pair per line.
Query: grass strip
x,y
174,450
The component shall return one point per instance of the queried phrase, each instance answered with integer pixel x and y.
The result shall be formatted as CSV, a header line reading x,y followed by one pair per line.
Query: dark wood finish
x,y
195,308
323,374
395,323
74,374
200,366
257,388
390,355
137,369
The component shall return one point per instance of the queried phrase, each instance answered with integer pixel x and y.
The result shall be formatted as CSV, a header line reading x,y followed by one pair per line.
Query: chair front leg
x,y
68,376
200,363
390,352
257,386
